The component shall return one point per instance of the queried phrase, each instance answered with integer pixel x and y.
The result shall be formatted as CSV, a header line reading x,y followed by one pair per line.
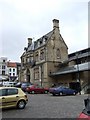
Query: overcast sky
x,y
20,19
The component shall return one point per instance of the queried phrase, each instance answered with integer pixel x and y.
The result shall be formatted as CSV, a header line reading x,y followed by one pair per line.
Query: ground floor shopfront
x,y
73,80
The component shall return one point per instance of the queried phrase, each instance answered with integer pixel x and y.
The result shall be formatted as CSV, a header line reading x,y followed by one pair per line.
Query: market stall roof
x,y
3,78
72,69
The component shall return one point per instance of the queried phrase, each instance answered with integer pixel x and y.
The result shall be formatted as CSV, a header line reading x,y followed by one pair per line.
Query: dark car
x,y
62,90
36,89
85,114
24,85
18,85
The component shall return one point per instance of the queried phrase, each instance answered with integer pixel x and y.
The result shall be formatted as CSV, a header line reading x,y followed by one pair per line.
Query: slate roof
x,y
48,35
11,64
81,54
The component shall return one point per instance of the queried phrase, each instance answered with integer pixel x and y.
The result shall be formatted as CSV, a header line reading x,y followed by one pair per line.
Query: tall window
x,y
13,74
3,72
3,67
36,73
10,69
37,56
31,58
42,54
13,70
28,60
10,74
58,53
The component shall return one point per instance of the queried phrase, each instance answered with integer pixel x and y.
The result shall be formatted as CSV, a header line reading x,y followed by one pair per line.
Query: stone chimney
x,y
55,23
29,41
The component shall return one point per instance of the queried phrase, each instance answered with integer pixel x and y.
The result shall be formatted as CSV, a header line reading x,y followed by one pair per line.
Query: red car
x,y
85,114
36,89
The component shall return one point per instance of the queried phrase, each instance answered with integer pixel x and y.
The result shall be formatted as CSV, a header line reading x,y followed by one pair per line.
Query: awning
x,y
2,78
72,69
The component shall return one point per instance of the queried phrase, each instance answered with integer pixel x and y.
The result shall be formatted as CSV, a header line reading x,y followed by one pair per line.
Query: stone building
x,y
43,57
75,72
46,61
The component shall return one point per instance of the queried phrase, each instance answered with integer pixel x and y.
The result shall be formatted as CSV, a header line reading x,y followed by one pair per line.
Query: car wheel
x,y
29,92
53,94
32,92
21,104
60,93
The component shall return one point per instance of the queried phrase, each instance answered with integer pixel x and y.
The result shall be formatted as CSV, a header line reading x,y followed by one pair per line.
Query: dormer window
x,y
45,39
41,42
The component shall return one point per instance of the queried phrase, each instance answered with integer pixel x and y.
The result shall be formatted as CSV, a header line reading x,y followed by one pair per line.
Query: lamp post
x,y
78,74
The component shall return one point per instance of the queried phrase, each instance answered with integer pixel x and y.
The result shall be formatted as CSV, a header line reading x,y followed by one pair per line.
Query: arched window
x,y
58,53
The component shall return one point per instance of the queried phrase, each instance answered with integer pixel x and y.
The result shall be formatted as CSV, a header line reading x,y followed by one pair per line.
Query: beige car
x,y
12,97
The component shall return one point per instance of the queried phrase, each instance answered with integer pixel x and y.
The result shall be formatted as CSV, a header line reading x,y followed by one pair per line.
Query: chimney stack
x,y
29,41
55,23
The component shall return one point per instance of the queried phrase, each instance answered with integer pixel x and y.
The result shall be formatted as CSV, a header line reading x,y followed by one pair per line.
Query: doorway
x,y
75,85
28,75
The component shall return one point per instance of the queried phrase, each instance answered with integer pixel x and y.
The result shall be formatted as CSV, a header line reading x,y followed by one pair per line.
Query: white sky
x,y
20,19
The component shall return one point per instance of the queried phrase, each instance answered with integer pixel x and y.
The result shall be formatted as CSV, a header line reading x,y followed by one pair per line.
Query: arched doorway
x,y
28,75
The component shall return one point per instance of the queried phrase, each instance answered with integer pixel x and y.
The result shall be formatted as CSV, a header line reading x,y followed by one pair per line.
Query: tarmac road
x,y
48,106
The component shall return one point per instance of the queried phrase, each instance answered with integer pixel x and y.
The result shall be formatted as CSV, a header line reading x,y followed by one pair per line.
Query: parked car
x,y
1,84
18,85
24,85
36,89
85,114
12,97
9,84
62,90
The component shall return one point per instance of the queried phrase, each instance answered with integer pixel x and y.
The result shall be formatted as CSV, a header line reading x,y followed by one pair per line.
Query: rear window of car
x,y
25,84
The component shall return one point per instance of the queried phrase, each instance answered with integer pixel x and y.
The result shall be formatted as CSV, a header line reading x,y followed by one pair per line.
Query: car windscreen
x,y
25,84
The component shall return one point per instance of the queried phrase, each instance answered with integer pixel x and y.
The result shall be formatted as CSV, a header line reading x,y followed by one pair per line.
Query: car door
x,y
66,91
69,91
12,97
40,89
37,89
